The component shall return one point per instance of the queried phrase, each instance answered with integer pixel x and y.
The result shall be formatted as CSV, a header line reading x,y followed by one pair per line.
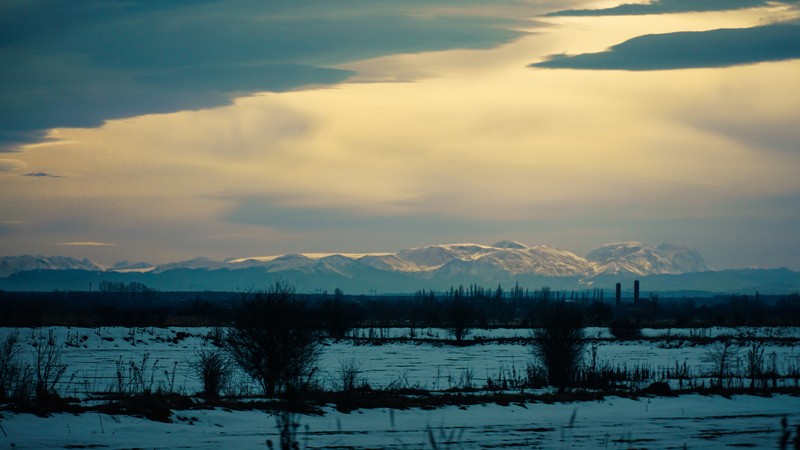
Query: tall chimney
x,y
636,291
618,295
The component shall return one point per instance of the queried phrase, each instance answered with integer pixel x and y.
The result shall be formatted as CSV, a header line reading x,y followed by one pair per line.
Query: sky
x,y
162,131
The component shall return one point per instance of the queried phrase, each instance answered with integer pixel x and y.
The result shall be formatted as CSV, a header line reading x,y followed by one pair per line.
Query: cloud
x,y
11,165
78,64
265,212
7,227
684,50
669,7
41,175
86,244
479,148
222,78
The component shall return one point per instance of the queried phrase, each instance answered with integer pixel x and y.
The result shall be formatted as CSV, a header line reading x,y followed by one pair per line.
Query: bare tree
x,y
754,363
723,356
48,369
212,367
337,315
460,317
558,342
11,369
273,339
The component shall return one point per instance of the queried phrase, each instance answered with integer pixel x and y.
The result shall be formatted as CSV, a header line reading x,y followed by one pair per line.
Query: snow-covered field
x,y
692,421
96,358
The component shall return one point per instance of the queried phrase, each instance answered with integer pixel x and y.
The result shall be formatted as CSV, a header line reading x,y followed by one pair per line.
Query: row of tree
x,y
458,308
273,340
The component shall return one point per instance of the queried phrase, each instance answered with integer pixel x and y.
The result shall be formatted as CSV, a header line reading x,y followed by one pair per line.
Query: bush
x,y
15,378
625,329
48,369
723,356
288,426
272,339
559,343
212,367
460,318
337,315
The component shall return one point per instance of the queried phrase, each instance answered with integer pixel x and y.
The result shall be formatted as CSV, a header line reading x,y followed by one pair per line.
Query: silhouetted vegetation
x,y
338,315
16,378
212,366
458,309
273,340
625,328
460,314
559,343
48,368
275,337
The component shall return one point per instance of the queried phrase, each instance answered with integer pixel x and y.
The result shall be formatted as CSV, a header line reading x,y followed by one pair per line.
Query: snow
x,y
512,257
509,244
641,259
693,421
13,264
93,356
307,255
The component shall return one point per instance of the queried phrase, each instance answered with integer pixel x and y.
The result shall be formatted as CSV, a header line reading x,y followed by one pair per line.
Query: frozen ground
x,y
692,421
94,356
164,355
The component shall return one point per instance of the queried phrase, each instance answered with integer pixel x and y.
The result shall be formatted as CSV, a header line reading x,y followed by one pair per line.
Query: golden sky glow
x,y
565,156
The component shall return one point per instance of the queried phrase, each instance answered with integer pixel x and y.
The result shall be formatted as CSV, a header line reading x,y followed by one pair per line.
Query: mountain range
x,y
428,267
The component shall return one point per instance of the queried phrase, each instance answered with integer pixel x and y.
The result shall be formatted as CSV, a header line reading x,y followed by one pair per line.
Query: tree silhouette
x,y
559,343
273,339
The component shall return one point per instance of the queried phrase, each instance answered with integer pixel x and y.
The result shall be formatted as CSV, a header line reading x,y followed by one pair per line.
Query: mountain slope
x,y
430,267
636,258
13,264
506,257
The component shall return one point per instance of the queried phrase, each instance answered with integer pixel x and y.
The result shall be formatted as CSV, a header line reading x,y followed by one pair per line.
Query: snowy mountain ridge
x,y
514,258
12,264
485,261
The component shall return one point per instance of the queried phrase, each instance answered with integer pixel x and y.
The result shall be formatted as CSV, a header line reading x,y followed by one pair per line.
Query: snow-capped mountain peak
x,y
13,264
504,259
510,244
637,258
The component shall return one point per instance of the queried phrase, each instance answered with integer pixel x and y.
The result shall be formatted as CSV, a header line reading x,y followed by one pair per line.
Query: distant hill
x,y
666,267
10,265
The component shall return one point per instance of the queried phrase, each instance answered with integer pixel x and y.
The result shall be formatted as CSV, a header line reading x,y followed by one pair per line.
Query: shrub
x,y
350,386
625,329
349,377
15,378
288,426
755,363
212,367
722,356
460,318
48,368
272,339
559,343
337,315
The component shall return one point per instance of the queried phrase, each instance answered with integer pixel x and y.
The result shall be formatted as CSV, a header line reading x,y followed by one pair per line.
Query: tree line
x,y
472,306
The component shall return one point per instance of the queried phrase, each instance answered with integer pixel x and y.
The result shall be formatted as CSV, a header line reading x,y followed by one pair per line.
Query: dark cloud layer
x,y
716,48
669,7
68,63
41,175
